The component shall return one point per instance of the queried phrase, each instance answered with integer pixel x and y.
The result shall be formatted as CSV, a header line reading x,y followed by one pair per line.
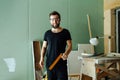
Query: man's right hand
x,y
41,63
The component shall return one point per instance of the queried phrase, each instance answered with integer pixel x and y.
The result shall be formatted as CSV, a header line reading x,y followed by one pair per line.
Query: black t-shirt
x,y
56,45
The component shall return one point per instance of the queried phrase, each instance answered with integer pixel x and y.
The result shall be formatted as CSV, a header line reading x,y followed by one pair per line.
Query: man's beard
x,y
55,26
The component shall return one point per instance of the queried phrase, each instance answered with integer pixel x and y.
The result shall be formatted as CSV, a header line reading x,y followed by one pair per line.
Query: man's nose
x,y
55,21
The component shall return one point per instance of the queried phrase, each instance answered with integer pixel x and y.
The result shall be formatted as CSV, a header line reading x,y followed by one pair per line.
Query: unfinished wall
x,y
109,24
110,4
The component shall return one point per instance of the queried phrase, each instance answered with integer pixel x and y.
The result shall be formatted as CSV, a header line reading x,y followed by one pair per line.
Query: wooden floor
x,y
85,77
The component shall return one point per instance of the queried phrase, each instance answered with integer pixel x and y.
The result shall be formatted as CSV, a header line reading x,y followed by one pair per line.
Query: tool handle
x,y
89,28
55,62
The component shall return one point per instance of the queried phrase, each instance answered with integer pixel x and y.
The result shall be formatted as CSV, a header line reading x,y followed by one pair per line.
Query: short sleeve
x,y
45,36
68,35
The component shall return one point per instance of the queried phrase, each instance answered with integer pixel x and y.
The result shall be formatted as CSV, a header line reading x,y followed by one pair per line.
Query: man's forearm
x,y
43,53
68,50
69,47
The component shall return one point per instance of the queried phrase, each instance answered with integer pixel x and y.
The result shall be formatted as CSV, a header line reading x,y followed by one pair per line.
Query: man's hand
x,y
41,63
64,56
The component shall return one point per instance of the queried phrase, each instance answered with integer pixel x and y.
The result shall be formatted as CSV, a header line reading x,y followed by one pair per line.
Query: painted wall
x,y
14,40
73,18
22,21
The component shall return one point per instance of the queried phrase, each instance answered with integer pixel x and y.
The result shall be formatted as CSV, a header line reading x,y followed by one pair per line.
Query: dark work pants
x,y
58,73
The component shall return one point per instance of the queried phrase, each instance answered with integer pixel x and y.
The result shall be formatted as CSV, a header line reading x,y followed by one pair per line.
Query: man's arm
x,y
69,48
43,51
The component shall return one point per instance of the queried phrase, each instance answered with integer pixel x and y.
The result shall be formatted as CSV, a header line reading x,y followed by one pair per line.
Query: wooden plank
x,y
111,73
36,48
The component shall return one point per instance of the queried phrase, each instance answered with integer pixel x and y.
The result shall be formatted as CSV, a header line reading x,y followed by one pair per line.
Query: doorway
x,y
118,30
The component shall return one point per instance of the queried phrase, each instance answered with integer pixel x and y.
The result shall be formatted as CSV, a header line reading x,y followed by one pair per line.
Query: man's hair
x,y
55,13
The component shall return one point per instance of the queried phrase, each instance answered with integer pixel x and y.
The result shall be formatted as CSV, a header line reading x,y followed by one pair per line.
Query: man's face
x,y
54,21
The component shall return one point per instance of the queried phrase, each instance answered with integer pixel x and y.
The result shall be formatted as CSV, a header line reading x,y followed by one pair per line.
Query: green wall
x,y
14,39
22,21
74,18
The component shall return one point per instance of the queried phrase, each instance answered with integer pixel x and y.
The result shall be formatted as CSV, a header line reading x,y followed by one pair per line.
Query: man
x,y
57,40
